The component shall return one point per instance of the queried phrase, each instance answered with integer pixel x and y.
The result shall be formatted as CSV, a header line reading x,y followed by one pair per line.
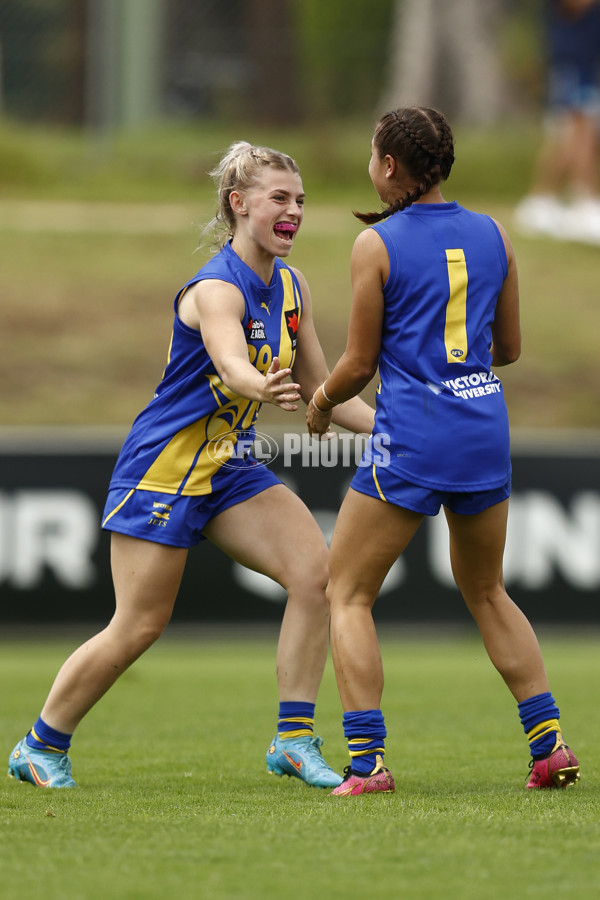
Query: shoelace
x,y
65,763
314,749
533,761
314,746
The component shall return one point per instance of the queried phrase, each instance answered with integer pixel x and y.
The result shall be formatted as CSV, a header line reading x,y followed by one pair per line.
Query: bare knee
x,y
136,637
343,595
307,578
484,595
150,631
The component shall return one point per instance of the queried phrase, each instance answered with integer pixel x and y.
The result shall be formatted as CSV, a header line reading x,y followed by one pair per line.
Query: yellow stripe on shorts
x,y
117,508
379,491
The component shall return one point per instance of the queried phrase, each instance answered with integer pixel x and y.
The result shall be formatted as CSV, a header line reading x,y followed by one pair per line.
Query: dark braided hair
x,y
421,139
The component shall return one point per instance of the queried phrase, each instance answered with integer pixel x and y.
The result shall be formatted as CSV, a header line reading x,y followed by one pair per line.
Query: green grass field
x,y
174,799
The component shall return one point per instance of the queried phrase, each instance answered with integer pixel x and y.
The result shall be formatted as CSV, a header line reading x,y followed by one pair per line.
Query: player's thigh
x,y
477,546
146,575
368,537
274,533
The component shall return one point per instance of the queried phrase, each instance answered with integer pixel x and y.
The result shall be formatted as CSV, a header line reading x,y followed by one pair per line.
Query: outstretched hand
x,y
283,395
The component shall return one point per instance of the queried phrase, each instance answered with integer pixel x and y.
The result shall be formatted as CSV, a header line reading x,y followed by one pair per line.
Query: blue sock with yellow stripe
x,y
296,719
539,717
42,737
365,732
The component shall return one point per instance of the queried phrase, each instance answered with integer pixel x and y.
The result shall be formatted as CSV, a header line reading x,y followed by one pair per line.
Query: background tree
x,y
448,55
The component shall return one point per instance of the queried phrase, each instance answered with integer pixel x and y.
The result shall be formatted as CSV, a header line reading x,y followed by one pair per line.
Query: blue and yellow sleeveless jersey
x,y
181,440
439,402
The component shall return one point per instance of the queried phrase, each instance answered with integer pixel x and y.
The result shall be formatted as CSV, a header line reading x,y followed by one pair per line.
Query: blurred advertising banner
x,y
54,558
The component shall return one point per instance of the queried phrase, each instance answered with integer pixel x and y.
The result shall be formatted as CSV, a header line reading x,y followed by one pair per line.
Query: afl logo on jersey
x,y
256,330
457,353
291,320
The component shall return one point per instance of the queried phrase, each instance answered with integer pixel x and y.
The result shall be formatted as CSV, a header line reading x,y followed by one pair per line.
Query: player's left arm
x,y
506,327
310,370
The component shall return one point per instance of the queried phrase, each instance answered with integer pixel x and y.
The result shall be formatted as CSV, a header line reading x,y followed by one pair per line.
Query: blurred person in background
x,y
242,327
435,306
563,202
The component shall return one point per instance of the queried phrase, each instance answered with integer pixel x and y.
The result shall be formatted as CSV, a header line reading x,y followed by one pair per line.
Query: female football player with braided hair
x,y
242,329
435,307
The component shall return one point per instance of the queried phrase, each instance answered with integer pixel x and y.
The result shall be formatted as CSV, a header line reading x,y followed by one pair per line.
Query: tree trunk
x,y
445,54
272,93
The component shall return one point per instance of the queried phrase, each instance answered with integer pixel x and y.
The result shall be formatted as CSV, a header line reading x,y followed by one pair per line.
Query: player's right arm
x,y
216,310
369,269
506,327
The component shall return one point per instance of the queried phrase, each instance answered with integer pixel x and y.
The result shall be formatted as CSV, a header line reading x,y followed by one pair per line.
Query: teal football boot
x,y
301,758
43,768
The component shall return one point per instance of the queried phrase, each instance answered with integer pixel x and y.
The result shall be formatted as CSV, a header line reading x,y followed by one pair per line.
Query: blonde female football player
x,y
243,335
435,307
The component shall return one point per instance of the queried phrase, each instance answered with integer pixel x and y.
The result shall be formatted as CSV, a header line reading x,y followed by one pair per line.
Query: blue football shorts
x,y
571,87
383,484
176,519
